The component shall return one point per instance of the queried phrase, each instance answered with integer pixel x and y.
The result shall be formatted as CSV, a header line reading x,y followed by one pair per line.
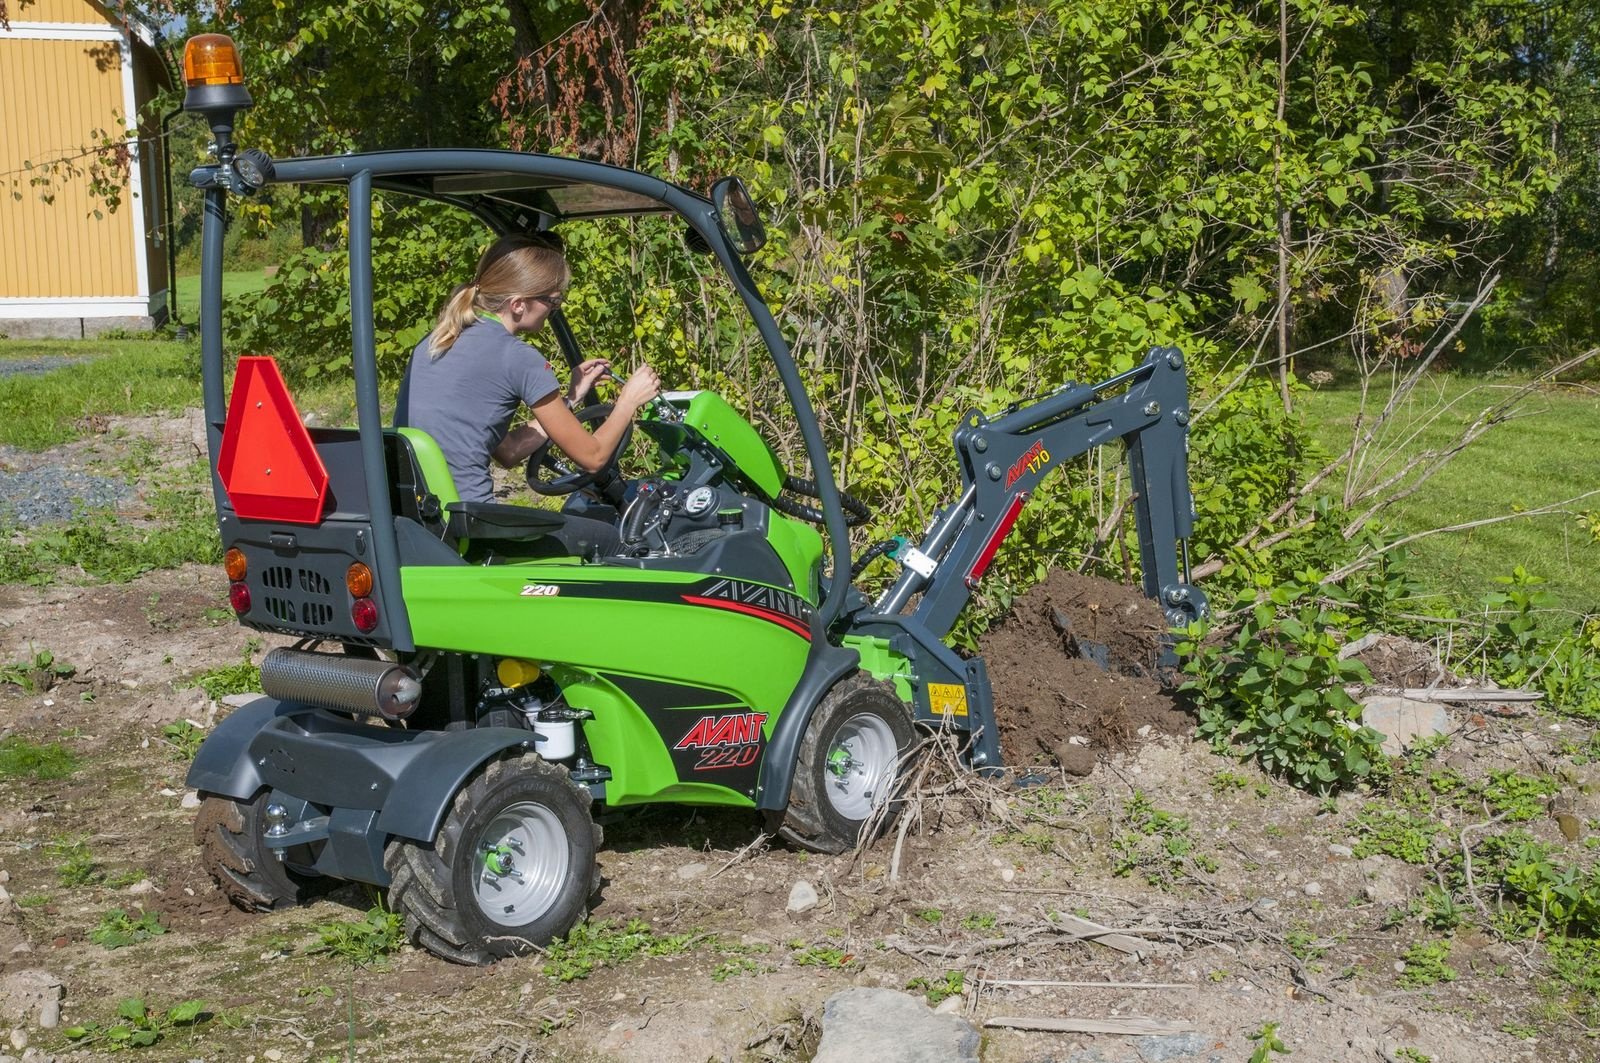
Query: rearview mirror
x,y
733,203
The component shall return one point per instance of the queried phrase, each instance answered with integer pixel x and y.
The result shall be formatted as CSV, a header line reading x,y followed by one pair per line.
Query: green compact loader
x,y
462,693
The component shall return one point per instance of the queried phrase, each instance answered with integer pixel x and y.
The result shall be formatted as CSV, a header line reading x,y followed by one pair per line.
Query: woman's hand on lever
x,y
639,389
583,378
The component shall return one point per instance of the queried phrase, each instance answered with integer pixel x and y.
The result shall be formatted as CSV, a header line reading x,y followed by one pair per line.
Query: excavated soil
x,y
1074,673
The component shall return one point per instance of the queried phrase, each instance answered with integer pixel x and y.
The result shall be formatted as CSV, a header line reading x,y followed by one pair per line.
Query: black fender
x,y
410,776
223,765
425,787
825,666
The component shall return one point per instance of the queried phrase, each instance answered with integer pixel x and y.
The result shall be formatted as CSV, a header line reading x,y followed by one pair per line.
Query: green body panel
x,y
622,738
741,662
434,468
881,662
734,436
799,546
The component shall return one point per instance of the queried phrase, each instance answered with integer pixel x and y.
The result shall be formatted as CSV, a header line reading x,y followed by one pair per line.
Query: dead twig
x,y
757,845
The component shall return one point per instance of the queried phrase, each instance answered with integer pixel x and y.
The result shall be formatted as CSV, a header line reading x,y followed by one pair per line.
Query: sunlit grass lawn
x,y
125,378
234,283
41,410
1547,452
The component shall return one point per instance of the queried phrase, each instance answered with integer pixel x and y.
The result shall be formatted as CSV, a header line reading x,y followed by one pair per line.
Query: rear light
x,y
364,613
234,563
239,597
358,580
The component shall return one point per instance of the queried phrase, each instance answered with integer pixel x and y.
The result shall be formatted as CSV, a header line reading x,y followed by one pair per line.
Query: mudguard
x,y
223,765
408,777
423,790
826,665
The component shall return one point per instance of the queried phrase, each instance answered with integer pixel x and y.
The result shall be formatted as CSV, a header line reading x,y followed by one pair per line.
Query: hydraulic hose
x,y
855,511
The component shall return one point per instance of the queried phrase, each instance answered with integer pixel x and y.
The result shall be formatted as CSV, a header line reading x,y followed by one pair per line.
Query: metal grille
x,y
316,614
313,582
281,608
278,577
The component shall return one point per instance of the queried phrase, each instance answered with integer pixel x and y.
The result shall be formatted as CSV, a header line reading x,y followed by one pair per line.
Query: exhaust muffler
x,y
351,684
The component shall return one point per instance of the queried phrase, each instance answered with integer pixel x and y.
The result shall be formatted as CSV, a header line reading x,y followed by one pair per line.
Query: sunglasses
x,y
552,301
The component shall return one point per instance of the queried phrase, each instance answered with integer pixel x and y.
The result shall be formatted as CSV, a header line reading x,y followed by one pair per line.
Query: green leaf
x,y
186,1012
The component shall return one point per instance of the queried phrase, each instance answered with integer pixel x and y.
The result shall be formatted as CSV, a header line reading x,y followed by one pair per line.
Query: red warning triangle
x,y
268,464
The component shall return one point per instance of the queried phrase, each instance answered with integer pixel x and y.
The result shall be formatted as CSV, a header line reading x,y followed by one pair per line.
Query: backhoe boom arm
x,y
1004,460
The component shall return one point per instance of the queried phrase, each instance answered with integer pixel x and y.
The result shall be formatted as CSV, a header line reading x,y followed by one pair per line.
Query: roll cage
x,y
509,192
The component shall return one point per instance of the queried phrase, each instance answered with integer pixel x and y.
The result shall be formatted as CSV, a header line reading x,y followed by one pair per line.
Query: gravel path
x,y
55,493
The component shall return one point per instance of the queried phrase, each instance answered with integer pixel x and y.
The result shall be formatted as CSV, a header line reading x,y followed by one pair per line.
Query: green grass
x,y
119,377
22,759
234,283
1549,451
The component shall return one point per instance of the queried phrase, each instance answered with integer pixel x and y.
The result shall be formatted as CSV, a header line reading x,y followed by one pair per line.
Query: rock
x,y
889,1027
802,897
1389,882
273,1054
191,799
1341,851
1007,875
50,1014
1312,889
144,885
1402,721
19,1039
236,701
1571,826
949,1006
1160,1048
5,896
1075,760
25,994
691,871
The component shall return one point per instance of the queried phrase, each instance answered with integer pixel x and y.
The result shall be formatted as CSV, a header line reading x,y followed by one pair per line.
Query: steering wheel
x,y
550,472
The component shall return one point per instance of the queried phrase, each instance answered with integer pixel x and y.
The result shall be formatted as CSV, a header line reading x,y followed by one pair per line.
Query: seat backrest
x,y
421,480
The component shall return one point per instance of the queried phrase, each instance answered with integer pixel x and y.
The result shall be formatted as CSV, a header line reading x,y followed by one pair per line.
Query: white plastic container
x,y
555,739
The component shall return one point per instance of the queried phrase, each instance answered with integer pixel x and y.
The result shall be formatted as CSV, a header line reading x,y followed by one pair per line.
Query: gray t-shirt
x,y
466,397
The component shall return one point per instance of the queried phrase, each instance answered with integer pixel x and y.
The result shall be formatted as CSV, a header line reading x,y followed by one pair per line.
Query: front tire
x,y
851,760
512,867
228,832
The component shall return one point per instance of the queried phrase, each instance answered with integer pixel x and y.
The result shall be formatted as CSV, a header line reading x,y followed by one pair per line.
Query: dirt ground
x,y
1278,924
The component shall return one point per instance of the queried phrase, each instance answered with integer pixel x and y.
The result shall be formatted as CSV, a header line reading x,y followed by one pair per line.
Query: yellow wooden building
x,y
67,69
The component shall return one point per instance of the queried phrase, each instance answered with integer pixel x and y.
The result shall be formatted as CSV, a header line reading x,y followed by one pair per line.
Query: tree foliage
x,y
973,203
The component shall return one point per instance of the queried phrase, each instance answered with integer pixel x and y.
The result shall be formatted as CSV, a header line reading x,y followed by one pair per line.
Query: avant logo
x,y
767,599
732,741
1034,460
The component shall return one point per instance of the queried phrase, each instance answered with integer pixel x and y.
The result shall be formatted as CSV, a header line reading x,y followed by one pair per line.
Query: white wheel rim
x,y
858,769
520,864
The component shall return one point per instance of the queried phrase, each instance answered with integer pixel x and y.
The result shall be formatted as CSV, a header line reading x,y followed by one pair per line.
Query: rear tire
x,y
851,760
228,832
512,867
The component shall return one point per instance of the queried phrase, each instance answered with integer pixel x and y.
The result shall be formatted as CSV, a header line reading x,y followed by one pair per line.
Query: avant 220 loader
x,y
462,693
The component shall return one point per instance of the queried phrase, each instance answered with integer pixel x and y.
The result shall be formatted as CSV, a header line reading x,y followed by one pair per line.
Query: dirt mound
x,y
1076,659
1395,661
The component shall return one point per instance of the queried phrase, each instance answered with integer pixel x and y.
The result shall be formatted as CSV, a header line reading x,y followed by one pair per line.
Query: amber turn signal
x,y
211,59
234,563
358,580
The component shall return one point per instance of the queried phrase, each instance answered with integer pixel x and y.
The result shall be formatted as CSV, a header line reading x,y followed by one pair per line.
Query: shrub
x,y
1274,691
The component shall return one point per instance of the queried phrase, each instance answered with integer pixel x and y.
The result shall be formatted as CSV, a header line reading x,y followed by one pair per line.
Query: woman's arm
x,y
591,452
519,444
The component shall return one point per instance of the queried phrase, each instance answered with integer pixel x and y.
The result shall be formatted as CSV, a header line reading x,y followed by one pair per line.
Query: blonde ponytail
x,y
513,266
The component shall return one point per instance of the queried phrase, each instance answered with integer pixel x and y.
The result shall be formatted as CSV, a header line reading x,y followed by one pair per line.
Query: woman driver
x,y
468,376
